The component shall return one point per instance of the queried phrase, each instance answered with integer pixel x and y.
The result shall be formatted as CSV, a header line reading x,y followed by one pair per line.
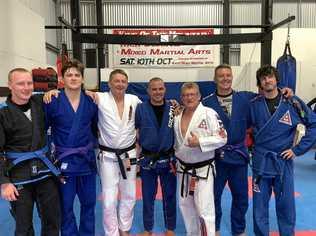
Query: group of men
x,y
201,146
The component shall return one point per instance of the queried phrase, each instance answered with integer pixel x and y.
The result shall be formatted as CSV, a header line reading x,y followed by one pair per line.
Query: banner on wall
x,y
162,56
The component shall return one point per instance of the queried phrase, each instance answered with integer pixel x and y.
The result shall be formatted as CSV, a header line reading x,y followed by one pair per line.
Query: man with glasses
x,y
198,132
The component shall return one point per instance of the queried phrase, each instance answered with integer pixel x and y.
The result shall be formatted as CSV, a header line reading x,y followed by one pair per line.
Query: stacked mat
x,y
44,79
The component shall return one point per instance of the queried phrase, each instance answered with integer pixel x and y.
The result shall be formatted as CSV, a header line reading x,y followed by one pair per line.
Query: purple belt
x,y
67,151
235,148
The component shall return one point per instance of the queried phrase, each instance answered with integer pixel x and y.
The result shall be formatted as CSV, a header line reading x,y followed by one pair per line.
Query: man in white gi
x,y
198,132
117,157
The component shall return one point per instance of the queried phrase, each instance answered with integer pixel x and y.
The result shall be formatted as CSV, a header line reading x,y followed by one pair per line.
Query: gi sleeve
x,y
94,124
3,163
137,117
249,96
311,103
138,100
309,139
216,136
47,115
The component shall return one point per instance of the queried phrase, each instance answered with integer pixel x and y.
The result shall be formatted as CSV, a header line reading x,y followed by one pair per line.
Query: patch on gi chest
x,y
286,118
64,166
203,125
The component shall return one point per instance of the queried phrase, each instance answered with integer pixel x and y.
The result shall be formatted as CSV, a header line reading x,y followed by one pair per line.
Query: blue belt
x,y
277,163
260,170
18,157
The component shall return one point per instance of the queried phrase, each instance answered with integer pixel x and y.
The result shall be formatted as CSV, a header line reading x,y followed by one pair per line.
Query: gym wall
x,y
22,41
302,42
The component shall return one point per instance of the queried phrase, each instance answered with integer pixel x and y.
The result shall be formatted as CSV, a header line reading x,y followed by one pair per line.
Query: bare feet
x,y
147,233
124,233
170,233
242,234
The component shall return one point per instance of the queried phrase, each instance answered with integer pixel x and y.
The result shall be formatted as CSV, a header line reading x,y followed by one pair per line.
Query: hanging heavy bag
x,y
286,66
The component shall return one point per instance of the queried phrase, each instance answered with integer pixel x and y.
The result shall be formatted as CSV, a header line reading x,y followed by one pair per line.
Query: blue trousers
x,y
237,178
284,204
84,187
168,182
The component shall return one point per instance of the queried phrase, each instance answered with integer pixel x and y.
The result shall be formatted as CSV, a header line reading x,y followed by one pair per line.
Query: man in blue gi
x,y
274,120
232,159
73,120
154,121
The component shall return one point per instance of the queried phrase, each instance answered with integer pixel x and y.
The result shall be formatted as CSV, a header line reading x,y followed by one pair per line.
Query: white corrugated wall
x,y
162,13
190,13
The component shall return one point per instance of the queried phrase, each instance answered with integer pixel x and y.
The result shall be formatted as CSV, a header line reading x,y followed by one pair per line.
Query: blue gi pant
x,y
85,187
168,182
237,178
284,203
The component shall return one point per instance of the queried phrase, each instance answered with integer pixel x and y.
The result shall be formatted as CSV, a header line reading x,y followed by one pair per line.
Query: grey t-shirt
x,y
226,103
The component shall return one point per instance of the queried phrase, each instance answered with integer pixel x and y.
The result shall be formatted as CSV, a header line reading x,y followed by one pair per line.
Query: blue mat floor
x,y
305,187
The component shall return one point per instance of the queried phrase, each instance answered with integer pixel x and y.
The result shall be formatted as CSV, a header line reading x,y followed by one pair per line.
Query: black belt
x,y
118,153
156,156
193,167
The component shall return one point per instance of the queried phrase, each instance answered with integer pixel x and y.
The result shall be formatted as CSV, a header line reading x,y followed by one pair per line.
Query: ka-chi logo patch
x,y
203,124
286,118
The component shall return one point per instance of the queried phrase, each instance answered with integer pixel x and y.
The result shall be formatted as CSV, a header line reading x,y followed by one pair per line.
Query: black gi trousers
x,y
45,195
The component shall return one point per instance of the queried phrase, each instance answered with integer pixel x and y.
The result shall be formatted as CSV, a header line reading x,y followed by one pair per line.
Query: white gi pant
x,y
116,216
199,207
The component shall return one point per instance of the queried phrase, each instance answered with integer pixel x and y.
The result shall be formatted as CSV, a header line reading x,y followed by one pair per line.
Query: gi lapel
x,y
194,121
217,107
164,128
267,126
126,116
71,139
37,119
153,115
178,128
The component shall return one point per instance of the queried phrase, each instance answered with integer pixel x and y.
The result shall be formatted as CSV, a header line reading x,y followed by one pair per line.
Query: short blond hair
x,y
118,71
18,69
221,66
190,85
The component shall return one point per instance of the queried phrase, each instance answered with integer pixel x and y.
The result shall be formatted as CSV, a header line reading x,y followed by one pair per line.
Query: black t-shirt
x,y
158,112
273,103
24,107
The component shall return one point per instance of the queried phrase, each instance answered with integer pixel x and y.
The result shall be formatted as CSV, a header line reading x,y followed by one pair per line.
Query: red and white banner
x,y
163,56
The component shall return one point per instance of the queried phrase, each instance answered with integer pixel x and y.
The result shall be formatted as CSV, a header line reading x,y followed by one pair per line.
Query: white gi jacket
x,y
117,133
198,210
206,124
114,132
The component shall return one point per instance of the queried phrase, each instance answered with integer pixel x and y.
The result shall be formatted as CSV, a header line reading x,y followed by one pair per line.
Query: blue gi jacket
x,y
274,134
73,130
152,137
235,151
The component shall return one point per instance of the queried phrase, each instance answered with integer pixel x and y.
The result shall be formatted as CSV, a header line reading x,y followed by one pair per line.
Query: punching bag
x,y
286,66
61,60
